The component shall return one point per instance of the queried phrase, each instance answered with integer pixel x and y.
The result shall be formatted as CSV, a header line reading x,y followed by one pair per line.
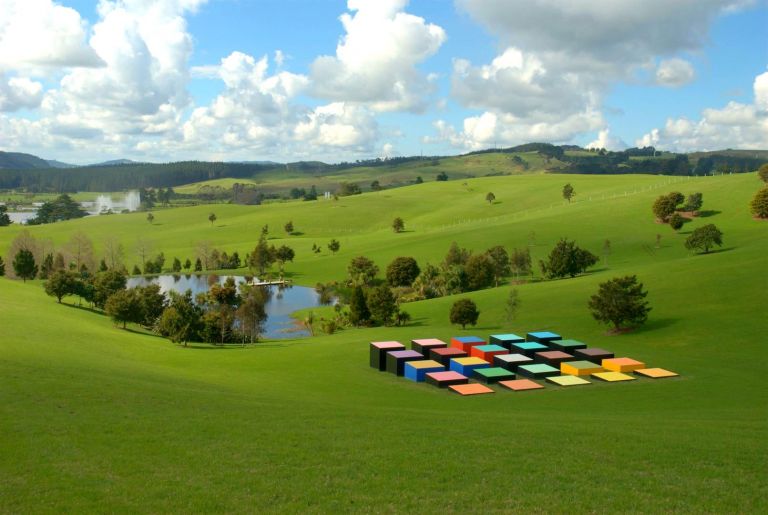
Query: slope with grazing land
x,y
98,418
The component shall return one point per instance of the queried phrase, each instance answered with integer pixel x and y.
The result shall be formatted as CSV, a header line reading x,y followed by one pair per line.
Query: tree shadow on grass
x,y
85,308
655,324
716,251
708,212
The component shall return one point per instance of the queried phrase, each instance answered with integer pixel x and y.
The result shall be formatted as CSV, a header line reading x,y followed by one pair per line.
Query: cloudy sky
x,y
284,80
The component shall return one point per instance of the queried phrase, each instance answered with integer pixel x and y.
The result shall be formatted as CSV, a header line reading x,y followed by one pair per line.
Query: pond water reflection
x,y
282,301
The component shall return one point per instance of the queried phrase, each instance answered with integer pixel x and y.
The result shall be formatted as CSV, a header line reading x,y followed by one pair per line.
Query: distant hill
x,y
117,162
58,164
19,161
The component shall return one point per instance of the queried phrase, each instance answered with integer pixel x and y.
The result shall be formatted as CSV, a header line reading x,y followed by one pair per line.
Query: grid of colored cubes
x,y
529,348
379,353
569,346
444,356
445,379
505,340
492,374
542,336
466,343
622,364
511,361
487,352
417,370
552,357
540,355
465,366
537,371
396,360
593,354
580,368
423,346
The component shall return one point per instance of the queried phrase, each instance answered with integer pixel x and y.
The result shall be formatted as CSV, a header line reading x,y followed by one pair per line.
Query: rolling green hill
x,y
95,418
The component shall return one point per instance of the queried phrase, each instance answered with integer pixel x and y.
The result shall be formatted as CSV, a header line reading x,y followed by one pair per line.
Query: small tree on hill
x,y
124,306
402,271
212,218
568,192
358,308
676,222
501,263
511,306
490,197
694,202
176,267
150,217
621,302
566,259
382,305
762,172
398,225
61,284
759,204
362,271
464,312
480,271
289,227
283,255
456,255
334,246
666,205
24,265
520,262
704,238
5,220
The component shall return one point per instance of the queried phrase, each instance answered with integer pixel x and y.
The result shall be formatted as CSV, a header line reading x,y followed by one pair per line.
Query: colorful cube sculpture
x,y
529,348
505,340
580,368
445,379
425,345
511,361
568,346
487,352
465,366
492,375
470,389
444,356
542,337
552,357
655,373
612,377
593,354
521,385
567,380
396,360
417,370
379,353
622,364
537,371
466,343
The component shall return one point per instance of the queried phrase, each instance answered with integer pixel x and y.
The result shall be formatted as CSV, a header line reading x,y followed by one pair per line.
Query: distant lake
x,y
21,217
282,301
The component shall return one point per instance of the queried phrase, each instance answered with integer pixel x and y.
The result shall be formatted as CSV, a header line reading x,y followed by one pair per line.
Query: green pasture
x,y
95,418
282,180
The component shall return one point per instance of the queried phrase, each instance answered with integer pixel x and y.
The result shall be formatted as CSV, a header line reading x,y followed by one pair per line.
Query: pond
x,y
282,301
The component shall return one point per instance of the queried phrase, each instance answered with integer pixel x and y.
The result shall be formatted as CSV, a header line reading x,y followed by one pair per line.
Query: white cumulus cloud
x,y
674,73
375,61
19,93
736,125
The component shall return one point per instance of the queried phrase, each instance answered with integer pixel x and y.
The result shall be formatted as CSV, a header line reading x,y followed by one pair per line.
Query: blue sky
x,y
166,80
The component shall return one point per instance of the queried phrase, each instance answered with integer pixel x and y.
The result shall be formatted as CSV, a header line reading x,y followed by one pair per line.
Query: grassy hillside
x,y
99,419
477,165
